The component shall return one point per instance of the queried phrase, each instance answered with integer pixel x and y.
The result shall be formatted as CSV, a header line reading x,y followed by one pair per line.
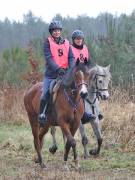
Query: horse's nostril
x,y
105,97
84,95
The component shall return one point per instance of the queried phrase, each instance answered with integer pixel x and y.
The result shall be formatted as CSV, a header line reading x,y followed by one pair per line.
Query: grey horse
x,y
99,79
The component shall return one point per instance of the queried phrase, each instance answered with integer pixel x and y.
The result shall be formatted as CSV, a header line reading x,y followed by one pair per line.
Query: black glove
x,y
61,71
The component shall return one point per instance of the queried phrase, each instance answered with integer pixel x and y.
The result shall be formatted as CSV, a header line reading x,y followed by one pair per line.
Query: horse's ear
x,y
97,65
77,61
108,67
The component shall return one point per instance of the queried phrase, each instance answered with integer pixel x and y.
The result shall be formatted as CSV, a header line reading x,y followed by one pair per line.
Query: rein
x,y
69,99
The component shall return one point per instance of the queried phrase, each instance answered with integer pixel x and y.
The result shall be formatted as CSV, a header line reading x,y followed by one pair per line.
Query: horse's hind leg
x,y
54,147
35,131
84,140
97,130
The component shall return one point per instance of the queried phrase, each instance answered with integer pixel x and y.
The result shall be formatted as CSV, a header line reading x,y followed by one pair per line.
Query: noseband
x,y
78,86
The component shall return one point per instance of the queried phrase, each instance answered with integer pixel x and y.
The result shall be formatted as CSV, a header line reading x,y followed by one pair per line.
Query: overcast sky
x,y
47,9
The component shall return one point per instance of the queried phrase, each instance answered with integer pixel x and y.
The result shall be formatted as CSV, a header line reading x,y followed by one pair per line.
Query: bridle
x,y
80,84
96,78
97,90
73,92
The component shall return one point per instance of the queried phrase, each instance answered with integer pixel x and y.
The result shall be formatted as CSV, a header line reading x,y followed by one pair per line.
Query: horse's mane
x,y
69,76
100,70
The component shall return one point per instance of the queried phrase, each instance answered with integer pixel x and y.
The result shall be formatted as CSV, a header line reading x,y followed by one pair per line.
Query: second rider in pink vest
x,y
80,51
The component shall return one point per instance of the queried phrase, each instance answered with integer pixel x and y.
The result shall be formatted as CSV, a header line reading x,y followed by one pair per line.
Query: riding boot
x,y
87,117
42,112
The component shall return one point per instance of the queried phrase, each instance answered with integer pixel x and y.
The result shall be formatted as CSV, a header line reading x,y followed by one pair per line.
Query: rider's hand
x,y
61,71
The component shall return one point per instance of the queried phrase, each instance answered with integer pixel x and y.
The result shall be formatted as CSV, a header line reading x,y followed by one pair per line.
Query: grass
x,y
17,151
116,160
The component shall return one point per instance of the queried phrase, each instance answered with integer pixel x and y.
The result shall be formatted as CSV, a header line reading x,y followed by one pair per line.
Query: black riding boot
x,y
87,117
42,112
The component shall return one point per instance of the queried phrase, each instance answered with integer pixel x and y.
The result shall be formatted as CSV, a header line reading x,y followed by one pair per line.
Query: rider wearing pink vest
x,y
58,57
59,52
80,51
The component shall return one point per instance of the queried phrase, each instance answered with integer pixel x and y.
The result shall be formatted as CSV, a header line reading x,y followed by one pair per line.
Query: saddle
x,y
54,87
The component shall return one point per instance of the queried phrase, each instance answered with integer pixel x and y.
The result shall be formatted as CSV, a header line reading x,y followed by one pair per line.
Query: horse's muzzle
x,y
83,95
104,97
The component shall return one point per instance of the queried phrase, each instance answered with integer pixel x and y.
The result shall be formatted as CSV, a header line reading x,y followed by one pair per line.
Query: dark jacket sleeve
x,y
48,56
71,59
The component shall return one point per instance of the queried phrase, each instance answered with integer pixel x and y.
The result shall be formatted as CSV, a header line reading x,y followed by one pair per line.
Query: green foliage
x,y
110,39
13,63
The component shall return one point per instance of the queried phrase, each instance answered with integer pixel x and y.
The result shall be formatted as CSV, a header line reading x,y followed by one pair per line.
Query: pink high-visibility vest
x,y
80,53
59,52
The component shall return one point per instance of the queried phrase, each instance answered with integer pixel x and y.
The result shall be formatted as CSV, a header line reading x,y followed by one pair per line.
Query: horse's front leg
x,y
73,131
84,140
54,146
42,132
97,130
69,143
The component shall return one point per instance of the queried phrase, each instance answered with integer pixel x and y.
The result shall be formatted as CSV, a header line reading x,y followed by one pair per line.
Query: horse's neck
x,y
91,95
73,96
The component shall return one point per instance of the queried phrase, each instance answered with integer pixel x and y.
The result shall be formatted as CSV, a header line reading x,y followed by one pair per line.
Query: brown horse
x,y
66,111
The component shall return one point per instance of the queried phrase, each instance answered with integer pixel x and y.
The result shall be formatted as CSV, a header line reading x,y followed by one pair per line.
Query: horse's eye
x,y
100,81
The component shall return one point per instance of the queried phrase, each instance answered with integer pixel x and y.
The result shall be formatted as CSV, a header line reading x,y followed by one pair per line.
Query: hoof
x,y
43,165
86,156
66,168
77,165
36,160
94,152
53,149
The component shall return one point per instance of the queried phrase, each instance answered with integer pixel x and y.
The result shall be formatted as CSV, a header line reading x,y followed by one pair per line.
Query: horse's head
x,y
101,77
81,76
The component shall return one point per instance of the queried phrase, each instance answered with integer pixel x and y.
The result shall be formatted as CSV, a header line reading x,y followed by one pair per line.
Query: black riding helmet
x,y
55,25
77,34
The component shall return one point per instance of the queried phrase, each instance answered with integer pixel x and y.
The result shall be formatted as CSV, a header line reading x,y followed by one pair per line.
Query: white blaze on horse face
x,y
83,89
